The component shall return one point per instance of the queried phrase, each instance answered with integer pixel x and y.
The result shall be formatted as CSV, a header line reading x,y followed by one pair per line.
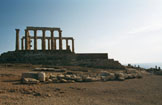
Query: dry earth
x,y
145,91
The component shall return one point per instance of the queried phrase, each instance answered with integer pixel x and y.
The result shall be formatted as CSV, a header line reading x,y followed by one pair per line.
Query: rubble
x,y
72,77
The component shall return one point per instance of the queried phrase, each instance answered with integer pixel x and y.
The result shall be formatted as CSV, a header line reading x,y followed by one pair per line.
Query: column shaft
x,y
54,44
22,44
43,40
52,40
26,40
49,44
17,39
67,44
60,40
35,40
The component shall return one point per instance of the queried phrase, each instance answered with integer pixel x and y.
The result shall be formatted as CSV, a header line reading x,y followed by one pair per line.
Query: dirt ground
x,y
145,91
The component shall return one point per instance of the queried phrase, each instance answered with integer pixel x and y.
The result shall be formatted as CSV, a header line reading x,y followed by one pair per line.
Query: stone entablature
x,y
51,40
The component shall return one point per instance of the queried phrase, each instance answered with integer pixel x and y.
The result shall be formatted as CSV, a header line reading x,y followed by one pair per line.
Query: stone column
x,y
17,39
22,44
52,40
60,39
26,39
35,40
67,44
49,44
44,40
54,44
73,45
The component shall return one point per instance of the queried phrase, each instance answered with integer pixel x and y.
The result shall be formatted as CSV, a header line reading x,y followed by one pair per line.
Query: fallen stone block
x,y
41,76
120,76
30,81
30,75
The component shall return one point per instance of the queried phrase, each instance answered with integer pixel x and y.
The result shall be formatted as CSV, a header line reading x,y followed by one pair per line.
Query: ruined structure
x,y
51,40
49,54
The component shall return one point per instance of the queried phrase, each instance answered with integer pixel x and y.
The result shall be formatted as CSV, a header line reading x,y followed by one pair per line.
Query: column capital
x,y
26,30
52,30
17,29
44,30
35,30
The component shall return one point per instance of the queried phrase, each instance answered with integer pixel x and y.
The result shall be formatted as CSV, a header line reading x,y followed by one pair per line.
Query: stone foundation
x,y
60,58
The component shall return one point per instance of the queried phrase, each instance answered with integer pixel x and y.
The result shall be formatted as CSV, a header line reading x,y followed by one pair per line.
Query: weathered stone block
x,y
30,75
41,76
30,81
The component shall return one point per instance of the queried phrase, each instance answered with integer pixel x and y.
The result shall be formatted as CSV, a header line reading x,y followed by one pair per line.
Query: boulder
x,y
111,76
104,78
104,73
120,76
60,76
70,81
50,80
88,79
68,77
30,81
41,76
78,79
63,81
139,75
55,80
131,70
130,76
52,76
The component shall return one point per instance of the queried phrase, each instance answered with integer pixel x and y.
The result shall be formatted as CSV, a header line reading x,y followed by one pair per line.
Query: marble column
x,y
26,39
67,44
44,40
54,44
72,45
17,39
60,40
22,44
49,44
35,40
52,39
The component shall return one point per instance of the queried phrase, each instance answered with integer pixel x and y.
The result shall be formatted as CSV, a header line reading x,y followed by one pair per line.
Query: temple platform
x,y
60,58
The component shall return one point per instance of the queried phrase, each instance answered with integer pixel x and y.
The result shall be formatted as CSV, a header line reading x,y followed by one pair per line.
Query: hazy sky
x,y
128,30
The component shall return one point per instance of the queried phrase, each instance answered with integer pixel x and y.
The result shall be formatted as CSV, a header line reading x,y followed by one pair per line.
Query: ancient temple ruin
x,y
52,52
27,39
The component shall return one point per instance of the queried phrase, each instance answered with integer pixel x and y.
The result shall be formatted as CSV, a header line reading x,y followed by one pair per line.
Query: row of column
x,y
53,41
43,40
50,45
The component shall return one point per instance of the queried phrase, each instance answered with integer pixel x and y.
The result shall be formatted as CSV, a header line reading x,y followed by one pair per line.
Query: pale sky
x,y
128,30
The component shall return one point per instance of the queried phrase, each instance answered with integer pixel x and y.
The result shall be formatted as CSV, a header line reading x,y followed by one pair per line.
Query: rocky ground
x,y
137,91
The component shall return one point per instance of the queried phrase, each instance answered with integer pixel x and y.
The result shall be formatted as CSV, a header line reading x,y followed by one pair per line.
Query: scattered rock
x,y
60,76
78,79
68,77
52,76
121,76
88,79
63,81
30,81
104,74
